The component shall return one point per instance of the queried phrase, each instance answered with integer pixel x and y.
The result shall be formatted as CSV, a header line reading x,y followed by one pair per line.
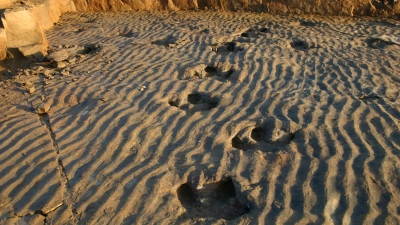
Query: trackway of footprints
x,y
211,118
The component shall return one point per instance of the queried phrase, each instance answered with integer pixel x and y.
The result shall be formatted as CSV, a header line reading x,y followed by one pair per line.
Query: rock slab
x,y
24,31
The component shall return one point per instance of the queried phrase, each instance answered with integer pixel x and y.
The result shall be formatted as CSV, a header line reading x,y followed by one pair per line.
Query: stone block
x,y
45,13
48,12
24,31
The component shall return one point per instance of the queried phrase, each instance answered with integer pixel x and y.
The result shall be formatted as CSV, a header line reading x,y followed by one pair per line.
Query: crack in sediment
x,y
41,212
45,120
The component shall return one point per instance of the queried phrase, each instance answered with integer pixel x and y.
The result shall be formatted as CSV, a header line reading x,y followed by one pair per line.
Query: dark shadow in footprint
x,y
245,34
175,101
195,102
226,47
127,34
264,30
211,70
91,48
370,97
215,200
377,43
202,102
170,42
269,136
303,44
221,70
308,23
258,134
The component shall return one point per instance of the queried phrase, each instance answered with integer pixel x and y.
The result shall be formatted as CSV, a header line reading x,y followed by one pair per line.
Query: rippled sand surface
x,y
207,118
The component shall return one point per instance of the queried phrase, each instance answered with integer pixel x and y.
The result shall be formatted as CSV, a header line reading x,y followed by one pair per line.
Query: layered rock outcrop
x,y
322,7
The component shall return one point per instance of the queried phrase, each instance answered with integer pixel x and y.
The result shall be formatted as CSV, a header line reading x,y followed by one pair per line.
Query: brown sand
x,y
208,118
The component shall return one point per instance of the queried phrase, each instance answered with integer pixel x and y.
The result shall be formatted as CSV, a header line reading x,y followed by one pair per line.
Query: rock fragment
x,y
42,109
60,65
142,88
28,84
58,56
46,73
65,72
31,90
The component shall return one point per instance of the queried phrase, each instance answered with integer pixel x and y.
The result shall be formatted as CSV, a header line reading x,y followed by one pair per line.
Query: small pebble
x,y
65,73
28,84
142,88
60,65
46,73
42,108
31,90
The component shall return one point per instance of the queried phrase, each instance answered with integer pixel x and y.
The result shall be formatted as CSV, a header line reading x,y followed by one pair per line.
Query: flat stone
x,y
58,56
60,65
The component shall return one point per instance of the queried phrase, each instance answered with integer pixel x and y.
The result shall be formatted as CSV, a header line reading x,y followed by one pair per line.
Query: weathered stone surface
x,y
350,7
24,31
24,26
58,56
5,3
48,12
66,6
3,44
44,12
43,108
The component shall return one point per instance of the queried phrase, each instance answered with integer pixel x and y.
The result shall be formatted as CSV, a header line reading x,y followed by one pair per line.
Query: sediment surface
x,y
207,117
